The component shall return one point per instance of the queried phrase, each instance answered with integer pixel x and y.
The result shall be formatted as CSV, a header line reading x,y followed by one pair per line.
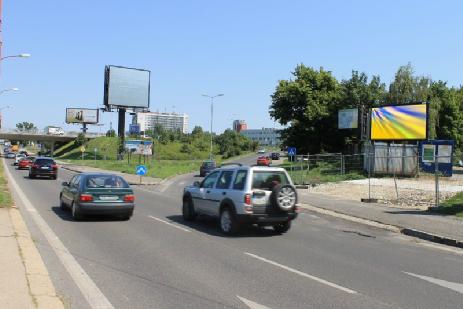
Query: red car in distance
x,y
264,161
25,163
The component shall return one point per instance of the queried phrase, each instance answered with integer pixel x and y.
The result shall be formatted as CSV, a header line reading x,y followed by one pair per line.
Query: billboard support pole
x,y
84,128
121,132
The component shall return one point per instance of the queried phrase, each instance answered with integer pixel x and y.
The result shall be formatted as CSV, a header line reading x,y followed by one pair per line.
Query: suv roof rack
x,y
227,164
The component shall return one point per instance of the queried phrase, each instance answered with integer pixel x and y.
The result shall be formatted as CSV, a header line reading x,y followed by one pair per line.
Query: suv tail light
x,y
130,198
247,199
54,166
35,166
86,198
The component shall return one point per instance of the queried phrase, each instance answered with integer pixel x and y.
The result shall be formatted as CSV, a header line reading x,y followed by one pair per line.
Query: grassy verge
x,y
320,174
452,206
5,195
158,169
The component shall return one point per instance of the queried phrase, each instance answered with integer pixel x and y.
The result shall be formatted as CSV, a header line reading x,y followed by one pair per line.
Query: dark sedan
x,y
43,167
97,194
207,167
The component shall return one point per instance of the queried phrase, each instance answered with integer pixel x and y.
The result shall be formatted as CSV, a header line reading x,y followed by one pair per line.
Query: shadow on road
x,y
65,215
211,227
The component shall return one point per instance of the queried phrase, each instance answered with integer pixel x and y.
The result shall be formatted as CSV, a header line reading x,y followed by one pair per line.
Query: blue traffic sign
x,y
141,170
292,151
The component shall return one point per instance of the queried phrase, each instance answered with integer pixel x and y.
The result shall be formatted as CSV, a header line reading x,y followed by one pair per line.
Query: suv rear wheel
x,y
228,223
283,227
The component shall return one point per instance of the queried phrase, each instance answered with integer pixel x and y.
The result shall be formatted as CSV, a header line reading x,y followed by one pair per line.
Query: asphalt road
x,y
156,260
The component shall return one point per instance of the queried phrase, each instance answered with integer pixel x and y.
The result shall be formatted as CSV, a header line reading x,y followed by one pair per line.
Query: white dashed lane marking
x,y
171,224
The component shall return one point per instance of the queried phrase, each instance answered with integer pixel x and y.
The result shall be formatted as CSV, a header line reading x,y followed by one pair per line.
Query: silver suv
x,y
241,195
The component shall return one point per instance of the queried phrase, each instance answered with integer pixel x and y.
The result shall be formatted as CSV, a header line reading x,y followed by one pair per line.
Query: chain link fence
x,y
394,175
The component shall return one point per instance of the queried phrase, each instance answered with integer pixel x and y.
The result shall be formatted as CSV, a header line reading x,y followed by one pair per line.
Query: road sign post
x,y
141,170
82,149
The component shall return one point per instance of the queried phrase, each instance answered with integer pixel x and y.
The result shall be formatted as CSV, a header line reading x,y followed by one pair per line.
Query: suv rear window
x,y
44,162
267,180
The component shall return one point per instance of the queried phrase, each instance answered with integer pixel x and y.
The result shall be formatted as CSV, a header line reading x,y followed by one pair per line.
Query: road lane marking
x,y
251,304
92,294
300,273
457,287
171,224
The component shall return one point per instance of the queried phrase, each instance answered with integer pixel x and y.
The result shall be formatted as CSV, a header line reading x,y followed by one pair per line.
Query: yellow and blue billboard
x,y
401,122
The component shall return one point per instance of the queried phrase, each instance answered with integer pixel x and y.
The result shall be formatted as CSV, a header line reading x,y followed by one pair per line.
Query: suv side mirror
x,y
197,184
65,184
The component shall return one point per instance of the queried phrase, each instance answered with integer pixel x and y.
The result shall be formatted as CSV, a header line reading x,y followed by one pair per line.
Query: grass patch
x,y
158,169
452,206
5,195
319,173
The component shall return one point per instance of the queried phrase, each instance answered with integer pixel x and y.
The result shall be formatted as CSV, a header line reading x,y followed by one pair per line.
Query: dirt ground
x,y
417,192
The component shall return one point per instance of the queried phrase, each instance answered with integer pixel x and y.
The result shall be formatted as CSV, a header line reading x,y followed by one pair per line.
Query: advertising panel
x,y
81,115
126,87
348,118
139,147
401,122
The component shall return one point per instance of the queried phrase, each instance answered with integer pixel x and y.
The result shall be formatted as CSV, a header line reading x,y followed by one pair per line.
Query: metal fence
x,y
395,176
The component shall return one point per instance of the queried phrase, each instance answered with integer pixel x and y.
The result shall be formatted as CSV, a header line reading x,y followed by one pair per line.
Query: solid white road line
x,y
457,287
300,273
90,291
251,304
171,224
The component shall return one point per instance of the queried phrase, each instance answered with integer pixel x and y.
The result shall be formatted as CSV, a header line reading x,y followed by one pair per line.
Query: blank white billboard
x,y
126,87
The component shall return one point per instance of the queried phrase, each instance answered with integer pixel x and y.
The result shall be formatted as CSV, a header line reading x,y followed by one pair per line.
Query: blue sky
x,y
239,48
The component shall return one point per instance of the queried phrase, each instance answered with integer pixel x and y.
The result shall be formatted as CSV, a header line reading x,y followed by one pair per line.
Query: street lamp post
x,y
212,115
16,56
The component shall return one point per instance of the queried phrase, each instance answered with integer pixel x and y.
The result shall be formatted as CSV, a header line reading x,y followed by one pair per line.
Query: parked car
x,y
263,161
275,156
261,151
243,195
43,166
25,163
207,167
10,155
98,194
17,158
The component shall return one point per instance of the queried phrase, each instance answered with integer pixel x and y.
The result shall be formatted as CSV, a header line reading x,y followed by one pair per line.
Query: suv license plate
x,y
259,200
45,167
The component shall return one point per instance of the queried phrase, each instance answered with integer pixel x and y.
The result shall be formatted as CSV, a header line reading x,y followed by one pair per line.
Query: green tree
x,y
309,103
197,131
111,133
26,126
407,87
80,139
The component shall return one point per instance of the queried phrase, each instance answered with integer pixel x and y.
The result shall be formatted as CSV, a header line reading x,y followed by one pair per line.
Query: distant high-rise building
x,y
239,125
170,121
264,136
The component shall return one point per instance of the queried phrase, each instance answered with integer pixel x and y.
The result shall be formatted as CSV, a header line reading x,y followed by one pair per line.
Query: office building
x,y
170,121
239,125
264,136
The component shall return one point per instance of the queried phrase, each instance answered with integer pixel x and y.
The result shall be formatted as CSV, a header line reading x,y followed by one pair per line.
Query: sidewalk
x,y
130,178
409,221
26,283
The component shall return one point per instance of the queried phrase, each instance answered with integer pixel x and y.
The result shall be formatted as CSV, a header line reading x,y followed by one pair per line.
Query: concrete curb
x,y
393,228
41,287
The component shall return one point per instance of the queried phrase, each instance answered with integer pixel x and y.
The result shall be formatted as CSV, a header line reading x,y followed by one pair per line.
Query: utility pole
x,y
212,117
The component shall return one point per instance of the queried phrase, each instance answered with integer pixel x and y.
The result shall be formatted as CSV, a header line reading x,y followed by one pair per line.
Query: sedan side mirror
x,y
65,184
197,184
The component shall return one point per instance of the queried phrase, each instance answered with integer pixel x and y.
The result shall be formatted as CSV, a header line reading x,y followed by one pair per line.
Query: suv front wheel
x,y
188,210
228,223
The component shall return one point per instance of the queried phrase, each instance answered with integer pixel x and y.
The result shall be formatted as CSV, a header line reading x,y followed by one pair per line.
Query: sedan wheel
x,y
75,212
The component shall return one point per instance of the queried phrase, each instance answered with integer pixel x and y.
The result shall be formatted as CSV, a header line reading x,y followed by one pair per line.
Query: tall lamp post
x,y
5,107
16,56
212,115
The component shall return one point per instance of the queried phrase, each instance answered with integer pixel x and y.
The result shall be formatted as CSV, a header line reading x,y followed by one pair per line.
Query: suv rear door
x,y
219,192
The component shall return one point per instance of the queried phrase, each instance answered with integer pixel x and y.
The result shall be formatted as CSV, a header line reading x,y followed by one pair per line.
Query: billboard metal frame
x,y
401,140
108,107
93,109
